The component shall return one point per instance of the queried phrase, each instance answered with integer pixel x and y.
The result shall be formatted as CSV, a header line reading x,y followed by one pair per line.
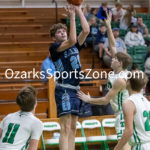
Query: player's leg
x,y
65,123
71,138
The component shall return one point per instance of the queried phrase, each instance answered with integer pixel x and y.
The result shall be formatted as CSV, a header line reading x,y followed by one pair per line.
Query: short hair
x,y
102,25
55,27
118,4
138,80
104,4
26,98
124,58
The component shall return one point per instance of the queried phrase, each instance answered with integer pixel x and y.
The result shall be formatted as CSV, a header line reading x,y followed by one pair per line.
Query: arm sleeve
x,y
53,51
37,129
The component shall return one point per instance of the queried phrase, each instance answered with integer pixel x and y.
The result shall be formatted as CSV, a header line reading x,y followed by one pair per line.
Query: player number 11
x,y
11,132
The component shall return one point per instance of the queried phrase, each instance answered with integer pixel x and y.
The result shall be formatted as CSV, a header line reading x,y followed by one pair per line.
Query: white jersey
x,y
141,122
117,102
18,128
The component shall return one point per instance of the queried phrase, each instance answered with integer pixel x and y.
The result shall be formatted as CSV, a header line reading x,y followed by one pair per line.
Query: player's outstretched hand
x,y
109,17
84,97
70,9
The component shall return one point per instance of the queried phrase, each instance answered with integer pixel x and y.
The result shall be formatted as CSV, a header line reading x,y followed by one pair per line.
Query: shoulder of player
x,y
121,82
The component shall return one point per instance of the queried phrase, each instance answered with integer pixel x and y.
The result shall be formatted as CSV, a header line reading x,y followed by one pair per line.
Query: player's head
x,y
59,32
27,99
122,60
136,80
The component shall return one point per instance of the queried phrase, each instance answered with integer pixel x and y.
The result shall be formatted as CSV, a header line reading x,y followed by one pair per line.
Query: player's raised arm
x,y
85,26
61,34
111,39
118,85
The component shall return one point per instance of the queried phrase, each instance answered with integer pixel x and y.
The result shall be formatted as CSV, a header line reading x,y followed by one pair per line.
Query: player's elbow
x,y
86,31
72,41
106,102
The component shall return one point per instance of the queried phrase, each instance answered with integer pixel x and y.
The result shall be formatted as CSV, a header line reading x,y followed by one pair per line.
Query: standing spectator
x,y
120,47
118,12
102,12
125,20
91,39
142,27
134,37
100,40
128,18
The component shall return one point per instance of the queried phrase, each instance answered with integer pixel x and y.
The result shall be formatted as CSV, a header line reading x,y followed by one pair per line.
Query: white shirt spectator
x,y
134,39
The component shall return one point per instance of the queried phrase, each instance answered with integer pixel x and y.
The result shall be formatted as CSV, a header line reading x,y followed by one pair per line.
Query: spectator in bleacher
x,y
102,12
134,37
120,47
142,27
65,56
93,13
132,9
91,39
87,10
117,12
22,130
127,19
47,69
100,40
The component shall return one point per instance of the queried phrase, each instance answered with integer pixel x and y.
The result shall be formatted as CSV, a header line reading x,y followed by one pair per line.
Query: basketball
x,y
75,2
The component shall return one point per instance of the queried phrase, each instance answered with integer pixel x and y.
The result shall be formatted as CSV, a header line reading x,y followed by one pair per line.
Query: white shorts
x,y
145,146
119,125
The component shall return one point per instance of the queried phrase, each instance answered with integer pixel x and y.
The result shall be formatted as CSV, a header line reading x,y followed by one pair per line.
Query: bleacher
x,y
24,44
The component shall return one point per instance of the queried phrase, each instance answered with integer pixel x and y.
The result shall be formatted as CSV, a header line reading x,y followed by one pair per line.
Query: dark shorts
x,y
68,103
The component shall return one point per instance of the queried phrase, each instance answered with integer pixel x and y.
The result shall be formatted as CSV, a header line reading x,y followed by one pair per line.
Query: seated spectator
x,y
134,37
142,27
47,69
102,12
120,45
93,13
117,12
86,10
100,40
91,39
